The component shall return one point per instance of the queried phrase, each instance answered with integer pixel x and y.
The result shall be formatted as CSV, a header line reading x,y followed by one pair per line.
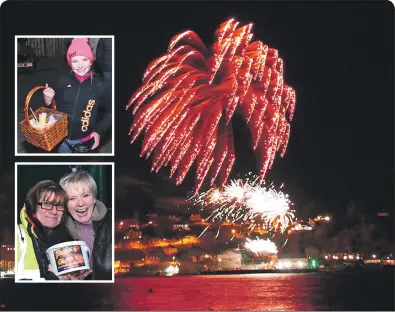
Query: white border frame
x,y
16,97
112,164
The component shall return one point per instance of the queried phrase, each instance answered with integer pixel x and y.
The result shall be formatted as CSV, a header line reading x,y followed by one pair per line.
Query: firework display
x,y
189,95
261,246
250,201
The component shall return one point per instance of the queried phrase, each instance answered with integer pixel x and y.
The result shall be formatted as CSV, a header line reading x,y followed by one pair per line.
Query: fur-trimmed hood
x,y
99,212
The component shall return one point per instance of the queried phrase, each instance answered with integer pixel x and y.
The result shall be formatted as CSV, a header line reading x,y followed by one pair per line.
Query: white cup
x,y
69,257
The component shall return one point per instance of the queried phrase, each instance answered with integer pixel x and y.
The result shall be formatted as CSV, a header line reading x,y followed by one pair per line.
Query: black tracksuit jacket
x,y
81,102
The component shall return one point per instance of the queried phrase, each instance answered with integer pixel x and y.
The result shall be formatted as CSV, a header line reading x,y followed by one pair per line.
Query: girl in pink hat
x,y
80,94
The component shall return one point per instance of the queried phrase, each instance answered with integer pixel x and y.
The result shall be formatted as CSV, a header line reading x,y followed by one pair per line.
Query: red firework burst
x,y
189,96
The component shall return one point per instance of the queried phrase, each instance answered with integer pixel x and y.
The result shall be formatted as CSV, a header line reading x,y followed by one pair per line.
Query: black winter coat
x,y
102,262
81,101
102,249
104,54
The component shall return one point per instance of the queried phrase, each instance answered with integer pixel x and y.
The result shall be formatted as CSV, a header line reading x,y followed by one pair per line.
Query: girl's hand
x,y
49,93
96,138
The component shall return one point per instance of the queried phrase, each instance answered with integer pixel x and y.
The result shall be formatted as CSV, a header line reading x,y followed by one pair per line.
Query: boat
x,y
7,274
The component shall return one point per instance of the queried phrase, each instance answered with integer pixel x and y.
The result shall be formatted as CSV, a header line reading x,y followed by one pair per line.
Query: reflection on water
x,y
320,291
353,290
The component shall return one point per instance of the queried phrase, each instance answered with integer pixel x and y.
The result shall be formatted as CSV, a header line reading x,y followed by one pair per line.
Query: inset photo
x,y
64,222
64,103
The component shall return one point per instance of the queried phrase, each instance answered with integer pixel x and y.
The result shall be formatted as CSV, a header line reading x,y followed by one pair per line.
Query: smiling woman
x,y
88,219
39,228
54,218
48,216
82,197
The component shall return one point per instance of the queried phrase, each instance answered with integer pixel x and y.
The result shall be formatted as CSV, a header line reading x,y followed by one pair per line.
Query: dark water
x,y
320,291
360,290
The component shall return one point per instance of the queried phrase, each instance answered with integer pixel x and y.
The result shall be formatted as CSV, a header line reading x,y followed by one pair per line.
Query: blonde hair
x,y
79,177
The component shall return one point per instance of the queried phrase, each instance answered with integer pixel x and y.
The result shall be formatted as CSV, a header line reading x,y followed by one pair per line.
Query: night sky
x,y
339,57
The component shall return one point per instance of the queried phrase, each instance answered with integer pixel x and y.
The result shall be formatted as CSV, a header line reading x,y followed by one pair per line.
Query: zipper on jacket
x,y
75,104
40,261
23,252
95,244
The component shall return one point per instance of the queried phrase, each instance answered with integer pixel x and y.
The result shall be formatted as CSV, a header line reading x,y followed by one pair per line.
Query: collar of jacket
x,y
99,212
75,80
32,225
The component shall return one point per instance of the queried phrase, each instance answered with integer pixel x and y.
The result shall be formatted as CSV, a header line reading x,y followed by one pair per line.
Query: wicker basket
x,y
45,139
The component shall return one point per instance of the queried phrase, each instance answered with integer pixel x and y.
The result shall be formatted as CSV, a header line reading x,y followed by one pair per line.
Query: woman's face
x,y
49,217
80,65
81,201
